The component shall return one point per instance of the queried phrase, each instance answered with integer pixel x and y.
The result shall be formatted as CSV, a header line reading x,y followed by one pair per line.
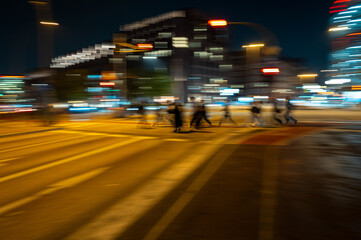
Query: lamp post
x,y
45,31
253,51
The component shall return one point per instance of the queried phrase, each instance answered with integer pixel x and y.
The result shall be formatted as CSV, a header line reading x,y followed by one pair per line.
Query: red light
x,y
270,71
145,45
338,6
107,84
340,1
336,11
218,23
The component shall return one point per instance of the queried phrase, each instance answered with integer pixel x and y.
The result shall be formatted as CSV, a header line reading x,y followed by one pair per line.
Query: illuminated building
x,y
180,43
345,34
13,95
263,72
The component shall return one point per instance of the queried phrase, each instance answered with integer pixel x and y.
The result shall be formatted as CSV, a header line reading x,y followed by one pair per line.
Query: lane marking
x,y
37,144
67,183
342,130
66,160
268,201
107,134
176,140
188,195
93,133
9,159
119,217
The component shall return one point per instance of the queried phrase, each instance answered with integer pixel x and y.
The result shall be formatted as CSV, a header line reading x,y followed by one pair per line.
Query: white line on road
x,y
37,144
67,183
112,223
66,160
188,195
106,134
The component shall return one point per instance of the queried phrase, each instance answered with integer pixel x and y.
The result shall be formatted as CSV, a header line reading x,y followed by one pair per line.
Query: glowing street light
x,y
254,45
50,23
307,75
145,46
218,23
270,71
338,29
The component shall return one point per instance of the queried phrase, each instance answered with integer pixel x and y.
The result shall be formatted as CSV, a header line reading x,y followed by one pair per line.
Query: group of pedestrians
x,y
277,112
173,113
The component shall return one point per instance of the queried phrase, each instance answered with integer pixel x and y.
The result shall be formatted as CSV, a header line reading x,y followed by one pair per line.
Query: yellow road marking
x,y
176,140
106,134
9,159
131,208
268,194
67,183
342,130
93,133
65,160
36,144
187,196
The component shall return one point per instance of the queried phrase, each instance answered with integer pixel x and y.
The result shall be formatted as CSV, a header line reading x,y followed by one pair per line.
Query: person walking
x,y
288,110
176,110
256,114
196,112
142,117
276,112
202,114
159,114
226,115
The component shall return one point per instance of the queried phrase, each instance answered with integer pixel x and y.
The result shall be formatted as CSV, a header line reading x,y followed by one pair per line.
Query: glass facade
x,y
345,35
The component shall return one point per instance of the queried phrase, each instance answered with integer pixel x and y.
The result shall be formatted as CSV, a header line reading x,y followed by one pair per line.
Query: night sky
x,y
300,26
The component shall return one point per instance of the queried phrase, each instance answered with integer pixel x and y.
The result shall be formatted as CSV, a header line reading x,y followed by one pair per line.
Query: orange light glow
x,y
109,75
218,23
107,84
12,76
356,87
145,45
354,34
270,71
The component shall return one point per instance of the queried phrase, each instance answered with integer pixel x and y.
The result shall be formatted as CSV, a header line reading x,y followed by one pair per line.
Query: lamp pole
x,y
45,31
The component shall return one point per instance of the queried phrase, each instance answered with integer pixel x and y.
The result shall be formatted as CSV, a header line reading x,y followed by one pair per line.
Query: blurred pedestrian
x,y
159,115
256,114
196,112
176,110
227,114
276,112
168,116
288,110
142,115
202,114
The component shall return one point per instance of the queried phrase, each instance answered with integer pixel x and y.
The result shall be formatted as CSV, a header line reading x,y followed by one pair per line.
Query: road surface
x,y
108,179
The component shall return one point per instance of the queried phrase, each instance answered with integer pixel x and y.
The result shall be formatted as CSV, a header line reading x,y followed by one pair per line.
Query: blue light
x,y
81,109
93,77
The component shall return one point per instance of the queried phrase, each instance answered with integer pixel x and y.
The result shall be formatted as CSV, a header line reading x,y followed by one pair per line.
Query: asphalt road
x,y
108,179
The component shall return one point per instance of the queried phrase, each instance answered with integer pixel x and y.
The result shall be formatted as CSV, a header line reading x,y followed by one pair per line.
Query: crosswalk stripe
x,y
67,183
66,160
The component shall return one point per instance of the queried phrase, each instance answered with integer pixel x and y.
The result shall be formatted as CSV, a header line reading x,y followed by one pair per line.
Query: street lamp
x,y
49,23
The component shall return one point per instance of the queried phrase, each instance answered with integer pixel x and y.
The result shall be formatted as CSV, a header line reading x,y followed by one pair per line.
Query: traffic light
x,y
218,23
